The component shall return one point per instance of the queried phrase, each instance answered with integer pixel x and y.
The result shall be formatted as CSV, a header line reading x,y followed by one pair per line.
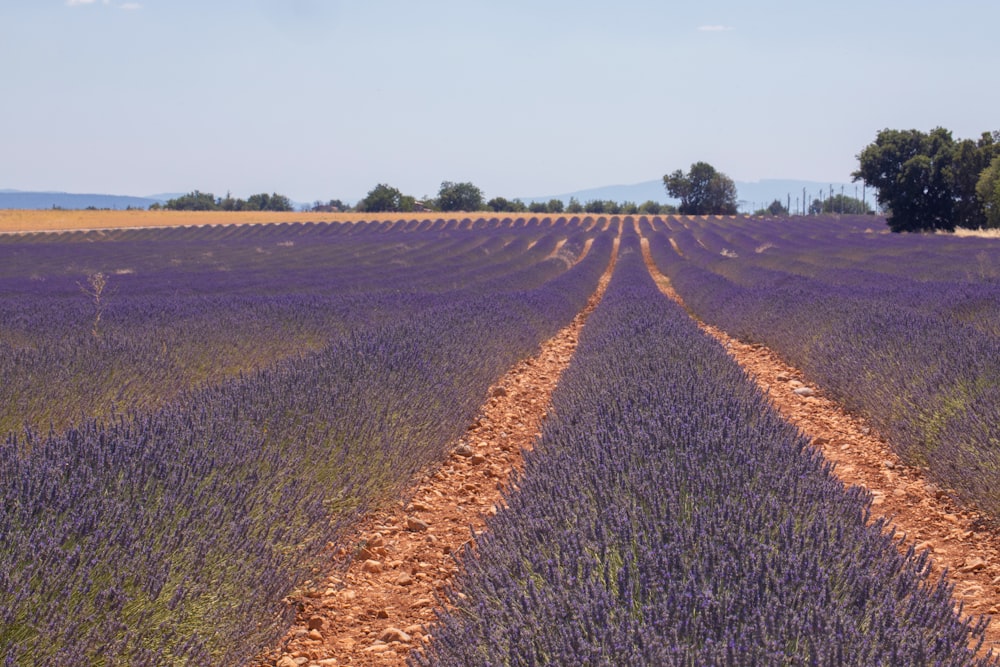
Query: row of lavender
x,y
669,517
171,536
181,307
901,337
949,276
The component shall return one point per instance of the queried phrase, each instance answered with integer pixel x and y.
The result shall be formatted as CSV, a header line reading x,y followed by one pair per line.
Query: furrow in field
x,y
373,605
964,544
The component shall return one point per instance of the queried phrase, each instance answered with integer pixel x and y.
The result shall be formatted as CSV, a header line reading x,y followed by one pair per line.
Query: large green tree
x,y
384,198
702,191
927,180
460,197
988,189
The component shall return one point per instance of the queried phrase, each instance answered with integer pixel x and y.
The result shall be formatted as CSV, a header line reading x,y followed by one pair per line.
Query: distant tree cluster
x,y
839,204
702,191
612,207
331,206
206,201
467,197
929,181
776,208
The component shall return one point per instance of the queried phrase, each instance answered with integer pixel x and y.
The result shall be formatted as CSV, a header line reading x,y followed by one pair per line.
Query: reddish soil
x,y
374,605
964,544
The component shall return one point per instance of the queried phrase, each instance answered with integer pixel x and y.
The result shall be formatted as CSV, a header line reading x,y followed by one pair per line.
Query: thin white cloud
x,y
715,28
128,6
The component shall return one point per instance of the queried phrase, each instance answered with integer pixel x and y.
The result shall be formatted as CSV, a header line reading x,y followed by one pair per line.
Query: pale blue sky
x,y
325,99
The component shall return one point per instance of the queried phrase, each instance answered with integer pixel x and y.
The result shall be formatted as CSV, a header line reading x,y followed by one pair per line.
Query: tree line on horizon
x,y
703,191
468,197
924,181
206,201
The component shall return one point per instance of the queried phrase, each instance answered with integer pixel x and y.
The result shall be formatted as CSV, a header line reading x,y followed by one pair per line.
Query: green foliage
x,y
839,204
193,201
574,206
206,201
846,205
498,204
460,197
331,206
651,207
702,191
551,206
988,190
268,202
602,206
927,181
384,198
776,208
504,205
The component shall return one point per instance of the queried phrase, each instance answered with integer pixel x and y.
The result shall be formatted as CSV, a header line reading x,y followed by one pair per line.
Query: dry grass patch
x,y
981,233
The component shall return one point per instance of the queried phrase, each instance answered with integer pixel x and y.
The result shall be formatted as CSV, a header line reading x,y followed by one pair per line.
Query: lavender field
x,y
167,527
904,329
190,415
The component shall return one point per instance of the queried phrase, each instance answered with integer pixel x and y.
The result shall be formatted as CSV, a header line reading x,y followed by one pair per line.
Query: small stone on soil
x,y
394,635
414,524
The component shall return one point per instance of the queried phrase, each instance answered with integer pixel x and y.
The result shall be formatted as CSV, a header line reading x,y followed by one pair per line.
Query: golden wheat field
x,y
19,221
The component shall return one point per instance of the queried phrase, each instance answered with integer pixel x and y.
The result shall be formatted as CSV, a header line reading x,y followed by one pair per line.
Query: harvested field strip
x,y
374,606
963,544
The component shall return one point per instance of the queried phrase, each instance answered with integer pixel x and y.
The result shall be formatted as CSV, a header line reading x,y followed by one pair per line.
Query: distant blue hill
x,y
752,195
45,200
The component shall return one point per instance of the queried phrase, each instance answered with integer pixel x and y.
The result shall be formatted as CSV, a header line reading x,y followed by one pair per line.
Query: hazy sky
x,y
325,99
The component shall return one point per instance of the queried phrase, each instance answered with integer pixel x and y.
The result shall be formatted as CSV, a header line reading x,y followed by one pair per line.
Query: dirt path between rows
x,y
375,604
963,543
